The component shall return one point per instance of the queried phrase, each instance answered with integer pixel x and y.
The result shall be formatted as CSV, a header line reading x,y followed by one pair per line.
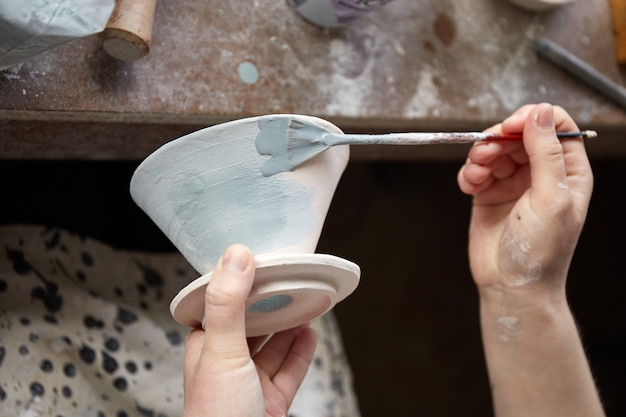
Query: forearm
x,y
536,362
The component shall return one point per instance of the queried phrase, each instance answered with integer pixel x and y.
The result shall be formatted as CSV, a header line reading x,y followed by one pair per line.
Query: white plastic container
x,y
30,27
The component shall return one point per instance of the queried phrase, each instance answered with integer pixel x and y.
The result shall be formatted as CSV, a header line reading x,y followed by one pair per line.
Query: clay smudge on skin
x,y
556,208
509,325
520,255
533,275
508,321
524,248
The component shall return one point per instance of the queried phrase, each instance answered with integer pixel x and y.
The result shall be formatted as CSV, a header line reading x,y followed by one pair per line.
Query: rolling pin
x,y
128,34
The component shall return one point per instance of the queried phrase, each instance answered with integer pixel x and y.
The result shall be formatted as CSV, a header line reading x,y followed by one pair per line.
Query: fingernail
x,y
544,119
236,258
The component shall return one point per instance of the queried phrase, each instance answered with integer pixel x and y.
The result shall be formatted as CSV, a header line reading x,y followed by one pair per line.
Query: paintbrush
x,y
291,141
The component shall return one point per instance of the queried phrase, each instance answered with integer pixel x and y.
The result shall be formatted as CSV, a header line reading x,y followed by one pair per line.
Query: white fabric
x,y
85,331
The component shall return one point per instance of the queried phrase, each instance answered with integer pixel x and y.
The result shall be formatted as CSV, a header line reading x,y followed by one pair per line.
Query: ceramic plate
x,y
288,290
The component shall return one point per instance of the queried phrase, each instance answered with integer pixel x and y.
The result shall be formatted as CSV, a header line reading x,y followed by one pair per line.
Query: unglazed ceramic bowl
x,y
288,290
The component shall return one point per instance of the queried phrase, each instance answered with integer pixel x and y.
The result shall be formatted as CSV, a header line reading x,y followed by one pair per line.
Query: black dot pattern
x,y
85,330
36,389
69,370
45,366
70,325
112,344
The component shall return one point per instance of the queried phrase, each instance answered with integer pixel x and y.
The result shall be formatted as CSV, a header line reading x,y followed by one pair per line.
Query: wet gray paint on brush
x,y
274,140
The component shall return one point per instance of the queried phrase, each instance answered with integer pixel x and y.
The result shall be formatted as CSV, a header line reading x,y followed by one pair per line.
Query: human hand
x,y
530,200
221,378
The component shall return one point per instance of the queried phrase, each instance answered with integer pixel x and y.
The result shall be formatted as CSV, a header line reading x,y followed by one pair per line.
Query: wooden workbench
x,y
413,65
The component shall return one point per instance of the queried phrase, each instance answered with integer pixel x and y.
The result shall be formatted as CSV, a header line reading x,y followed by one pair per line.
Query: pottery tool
x,y
128,34
290,141
583,71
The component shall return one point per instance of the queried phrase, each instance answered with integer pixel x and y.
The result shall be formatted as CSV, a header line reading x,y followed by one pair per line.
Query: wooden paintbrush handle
x,y
128,34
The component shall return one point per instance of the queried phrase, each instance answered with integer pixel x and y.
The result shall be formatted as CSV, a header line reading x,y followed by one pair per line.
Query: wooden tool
x,y
128,34
618,12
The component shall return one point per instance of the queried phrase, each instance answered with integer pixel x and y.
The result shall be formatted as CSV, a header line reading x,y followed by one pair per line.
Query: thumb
x,y
545,153
225,298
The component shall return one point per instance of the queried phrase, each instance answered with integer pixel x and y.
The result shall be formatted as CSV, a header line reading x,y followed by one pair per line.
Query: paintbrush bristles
x,y
288,142
303,134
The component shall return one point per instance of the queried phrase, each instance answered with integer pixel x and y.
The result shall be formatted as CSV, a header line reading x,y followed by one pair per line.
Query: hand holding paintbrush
x,y
290,141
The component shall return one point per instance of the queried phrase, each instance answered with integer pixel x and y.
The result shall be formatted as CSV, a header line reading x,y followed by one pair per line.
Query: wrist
x,y
524,298
525,323
535,359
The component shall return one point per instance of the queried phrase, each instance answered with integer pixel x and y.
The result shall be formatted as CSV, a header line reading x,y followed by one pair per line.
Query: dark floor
x,y
413,342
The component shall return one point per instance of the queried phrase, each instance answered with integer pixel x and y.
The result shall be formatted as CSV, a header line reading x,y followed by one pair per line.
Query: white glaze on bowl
x,y
206,191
